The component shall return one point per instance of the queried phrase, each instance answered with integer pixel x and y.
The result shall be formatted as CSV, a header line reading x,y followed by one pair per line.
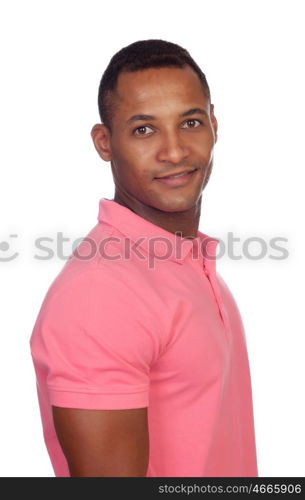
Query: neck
x,y
184,223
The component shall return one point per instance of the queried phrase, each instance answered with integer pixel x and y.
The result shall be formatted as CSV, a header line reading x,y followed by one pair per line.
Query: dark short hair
x,y
140,55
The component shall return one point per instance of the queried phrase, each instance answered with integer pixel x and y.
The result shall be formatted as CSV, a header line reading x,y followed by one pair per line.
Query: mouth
x,y
177,179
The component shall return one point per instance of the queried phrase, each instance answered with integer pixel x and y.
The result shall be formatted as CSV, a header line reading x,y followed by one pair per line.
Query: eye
x,y
140,129
192,120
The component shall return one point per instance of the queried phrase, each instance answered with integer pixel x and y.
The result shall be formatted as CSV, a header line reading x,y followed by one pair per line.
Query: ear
x,y
214,121
101,139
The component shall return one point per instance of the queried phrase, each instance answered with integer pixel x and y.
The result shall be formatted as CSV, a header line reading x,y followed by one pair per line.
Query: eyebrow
x,y
192,111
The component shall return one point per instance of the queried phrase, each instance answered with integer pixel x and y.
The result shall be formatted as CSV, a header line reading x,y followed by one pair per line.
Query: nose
x,y
172,149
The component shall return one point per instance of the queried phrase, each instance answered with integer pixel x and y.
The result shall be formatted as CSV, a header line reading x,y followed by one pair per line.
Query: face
x,y
163,125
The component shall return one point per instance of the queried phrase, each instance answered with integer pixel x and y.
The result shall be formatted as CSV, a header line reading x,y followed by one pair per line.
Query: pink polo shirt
x,y
139,317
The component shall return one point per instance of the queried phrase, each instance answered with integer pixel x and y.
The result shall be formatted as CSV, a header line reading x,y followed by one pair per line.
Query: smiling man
x,y
139,348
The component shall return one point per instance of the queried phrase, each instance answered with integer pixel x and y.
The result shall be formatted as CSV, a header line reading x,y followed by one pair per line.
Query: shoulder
x,y
94,310
91,294
90,266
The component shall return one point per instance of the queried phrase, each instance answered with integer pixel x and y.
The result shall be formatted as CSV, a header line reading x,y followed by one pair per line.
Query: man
x,y
139,348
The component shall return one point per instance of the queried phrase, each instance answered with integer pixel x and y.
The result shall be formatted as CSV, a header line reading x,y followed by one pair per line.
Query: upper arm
x,y
103,443
95,343
93,346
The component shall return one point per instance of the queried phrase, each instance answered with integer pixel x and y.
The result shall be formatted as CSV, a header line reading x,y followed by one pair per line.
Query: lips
x,y
178,179
175,175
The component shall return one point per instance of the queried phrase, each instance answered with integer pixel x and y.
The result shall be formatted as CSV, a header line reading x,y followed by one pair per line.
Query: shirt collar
x,y
154,239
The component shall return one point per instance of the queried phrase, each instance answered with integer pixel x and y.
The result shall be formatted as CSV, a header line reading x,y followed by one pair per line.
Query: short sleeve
x,y
93,344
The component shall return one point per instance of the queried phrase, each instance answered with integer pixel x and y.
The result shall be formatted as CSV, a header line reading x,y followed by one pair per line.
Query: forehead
x,y
158,88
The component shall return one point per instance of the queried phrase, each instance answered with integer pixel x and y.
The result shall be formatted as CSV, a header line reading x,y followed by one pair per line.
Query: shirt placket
x,y
209,270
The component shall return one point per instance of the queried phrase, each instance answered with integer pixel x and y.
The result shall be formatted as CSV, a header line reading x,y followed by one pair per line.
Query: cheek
x,y
205,153
134,162
204,145
131,171
125,152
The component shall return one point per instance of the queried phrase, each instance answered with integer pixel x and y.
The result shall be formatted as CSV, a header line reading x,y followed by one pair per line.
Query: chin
x,y
178,203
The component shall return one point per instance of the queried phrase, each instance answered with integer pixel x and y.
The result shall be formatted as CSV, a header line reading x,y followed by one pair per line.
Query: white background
x,y
53,56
